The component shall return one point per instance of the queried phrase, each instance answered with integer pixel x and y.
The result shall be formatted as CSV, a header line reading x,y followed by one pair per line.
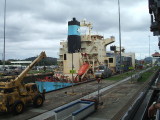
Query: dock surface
x,y
114,97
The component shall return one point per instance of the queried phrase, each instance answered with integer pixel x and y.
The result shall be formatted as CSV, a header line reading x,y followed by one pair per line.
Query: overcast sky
x,y
33,26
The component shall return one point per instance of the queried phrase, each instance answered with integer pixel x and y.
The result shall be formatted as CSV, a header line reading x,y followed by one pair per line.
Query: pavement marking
x,y
52,113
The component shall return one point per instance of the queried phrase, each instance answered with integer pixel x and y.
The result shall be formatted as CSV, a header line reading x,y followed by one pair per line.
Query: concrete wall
x,y
75,111
83,113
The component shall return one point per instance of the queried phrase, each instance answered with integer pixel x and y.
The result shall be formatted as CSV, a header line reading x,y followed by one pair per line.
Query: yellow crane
x,y
15,95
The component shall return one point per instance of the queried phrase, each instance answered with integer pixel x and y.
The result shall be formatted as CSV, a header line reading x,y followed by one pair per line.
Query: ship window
x,y
110,60
65,57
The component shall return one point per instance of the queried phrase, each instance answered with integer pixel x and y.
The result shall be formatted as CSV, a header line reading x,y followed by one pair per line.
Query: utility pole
x,y
149,45
72,74
120,35
4,34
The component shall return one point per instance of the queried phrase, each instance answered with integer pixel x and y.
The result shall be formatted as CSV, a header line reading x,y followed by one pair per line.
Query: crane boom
x,y
23,74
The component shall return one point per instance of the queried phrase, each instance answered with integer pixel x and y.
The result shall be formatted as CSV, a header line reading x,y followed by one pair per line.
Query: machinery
x,y
15,95
154,10
103,72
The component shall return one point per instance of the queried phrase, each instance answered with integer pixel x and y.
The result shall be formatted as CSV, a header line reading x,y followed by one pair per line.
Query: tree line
x,y
45,61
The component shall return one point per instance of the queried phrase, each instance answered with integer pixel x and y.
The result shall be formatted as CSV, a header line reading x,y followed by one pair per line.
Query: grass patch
x,y
121,76
146,75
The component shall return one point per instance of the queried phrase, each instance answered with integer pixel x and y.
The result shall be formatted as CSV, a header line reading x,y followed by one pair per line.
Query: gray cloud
x,y
36,25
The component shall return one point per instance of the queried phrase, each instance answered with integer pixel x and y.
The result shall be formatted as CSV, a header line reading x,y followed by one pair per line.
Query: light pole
x,y
2,56
72,74
4,34
149,45
119,33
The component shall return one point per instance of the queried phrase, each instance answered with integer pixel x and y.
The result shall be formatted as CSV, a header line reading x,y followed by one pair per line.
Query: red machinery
x,y
83,69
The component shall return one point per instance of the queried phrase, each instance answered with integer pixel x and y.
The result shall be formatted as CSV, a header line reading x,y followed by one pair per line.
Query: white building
x,y
156,58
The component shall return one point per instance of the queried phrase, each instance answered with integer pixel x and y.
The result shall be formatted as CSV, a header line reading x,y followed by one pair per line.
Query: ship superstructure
x,y
81,54
92,51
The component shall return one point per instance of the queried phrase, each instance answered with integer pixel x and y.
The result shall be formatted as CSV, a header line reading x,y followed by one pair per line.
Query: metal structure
x,y
154,10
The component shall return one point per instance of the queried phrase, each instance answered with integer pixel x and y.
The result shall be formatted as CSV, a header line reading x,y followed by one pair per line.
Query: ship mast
x,y
87,24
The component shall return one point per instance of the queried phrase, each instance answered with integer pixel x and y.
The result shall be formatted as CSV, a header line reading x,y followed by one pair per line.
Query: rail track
x,y
136,107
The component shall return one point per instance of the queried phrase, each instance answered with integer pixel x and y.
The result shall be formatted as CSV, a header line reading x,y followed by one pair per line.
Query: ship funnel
x,y
74,39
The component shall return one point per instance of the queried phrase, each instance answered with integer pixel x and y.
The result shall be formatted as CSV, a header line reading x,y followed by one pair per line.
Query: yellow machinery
x,y
15,95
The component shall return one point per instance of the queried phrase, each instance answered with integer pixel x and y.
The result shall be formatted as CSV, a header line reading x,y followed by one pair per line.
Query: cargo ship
x,y
81,49
81,54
